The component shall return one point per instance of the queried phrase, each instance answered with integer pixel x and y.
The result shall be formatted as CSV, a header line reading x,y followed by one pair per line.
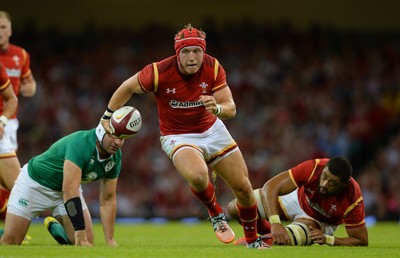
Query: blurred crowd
x,y
299,94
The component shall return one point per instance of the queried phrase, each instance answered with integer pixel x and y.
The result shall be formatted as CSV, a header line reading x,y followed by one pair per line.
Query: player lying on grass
x,y
316,196
52,180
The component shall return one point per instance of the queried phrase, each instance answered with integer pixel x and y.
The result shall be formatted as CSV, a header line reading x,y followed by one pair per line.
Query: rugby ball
x,y
125,122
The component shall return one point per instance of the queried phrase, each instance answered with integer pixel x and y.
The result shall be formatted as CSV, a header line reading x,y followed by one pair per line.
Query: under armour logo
x,y
173,90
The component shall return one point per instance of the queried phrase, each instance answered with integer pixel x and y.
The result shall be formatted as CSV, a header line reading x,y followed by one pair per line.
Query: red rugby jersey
x,y
4,80
17,63
177,95
346,207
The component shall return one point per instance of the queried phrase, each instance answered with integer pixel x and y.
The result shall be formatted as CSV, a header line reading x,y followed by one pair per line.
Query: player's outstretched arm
x,y
357,236
122,95
73,204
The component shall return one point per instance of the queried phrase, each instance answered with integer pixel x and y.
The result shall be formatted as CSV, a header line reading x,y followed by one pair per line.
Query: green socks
x,y
58,232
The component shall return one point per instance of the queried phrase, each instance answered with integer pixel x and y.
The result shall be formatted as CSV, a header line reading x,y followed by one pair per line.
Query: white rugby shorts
x,y
208,144
7,143
29,198
291,206
11,133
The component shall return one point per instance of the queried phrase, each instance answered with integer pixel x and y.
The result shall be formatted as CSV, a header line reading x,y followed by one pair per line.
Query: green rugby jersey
x,y
80,148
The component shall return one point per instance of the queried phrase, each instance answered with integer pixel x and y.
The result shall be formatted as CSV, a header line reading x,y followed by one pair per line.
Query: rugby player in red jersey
x,y
9,165
316,196
193,97
16,61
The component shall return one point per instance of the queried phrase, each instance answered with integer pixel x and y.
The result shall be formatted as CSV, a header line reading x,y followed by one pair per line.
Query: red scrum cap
x,y
189,36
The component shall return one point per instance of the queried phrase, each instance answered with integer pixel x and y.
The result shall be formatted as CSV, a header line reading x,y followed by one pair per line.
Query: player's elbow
x,y
107,198
361,241
364,242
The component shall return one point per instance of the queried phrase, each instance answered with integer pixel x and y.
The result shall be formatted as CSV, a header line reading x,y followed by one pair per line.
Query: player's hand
x,y
111,242
106,125
209,103
25,90
279,234
81,239
316,236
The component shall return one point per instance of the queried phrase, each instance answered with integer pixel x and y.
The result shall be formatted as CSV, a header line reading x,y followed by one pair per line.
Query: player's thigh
x,y
9,170
191,165
233,170
15,229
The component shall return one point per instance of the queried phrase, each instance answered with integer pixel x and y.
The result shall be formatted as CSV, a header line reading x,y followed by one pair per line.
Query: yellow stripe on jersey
x,y
8,155
217,87
294,181
5,85
316,164
355,225
155,69
2,209
25,57
216,67
352,206
291,177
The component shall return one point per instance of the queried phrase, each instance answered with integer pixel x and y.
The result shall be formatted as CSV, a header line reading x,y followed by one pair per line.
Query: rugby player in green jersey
x,y
52,181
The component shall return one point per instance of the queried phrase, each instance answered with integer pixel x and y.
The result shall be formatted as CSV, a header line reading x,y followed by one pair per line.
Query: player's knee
x,y
198,181
13,239
244,194
298,234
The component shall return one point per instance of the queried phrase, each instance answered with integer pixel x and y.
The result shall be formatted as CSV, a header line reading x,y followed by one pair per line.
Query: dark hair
x,y
341,167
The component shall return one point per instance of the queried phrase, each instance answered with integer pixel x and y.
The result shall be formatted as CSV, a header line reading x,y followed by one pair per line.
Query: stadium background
x,y
310,79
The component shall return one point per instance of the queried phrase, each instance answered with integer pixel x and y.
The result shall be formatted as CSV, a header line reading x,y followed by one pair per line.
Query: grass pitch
x,y
179,240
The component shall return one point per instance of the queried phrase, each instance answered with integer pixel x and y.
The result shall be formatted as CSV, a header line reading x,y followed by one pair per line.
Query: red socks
x,y
248,216
263,226
209,199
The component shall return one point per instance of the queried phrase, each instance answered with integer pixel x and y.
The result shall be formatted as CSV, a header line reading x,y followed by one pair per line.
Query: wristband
x,y
75,213
274,219
329,240
3,120
107,114
218,111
